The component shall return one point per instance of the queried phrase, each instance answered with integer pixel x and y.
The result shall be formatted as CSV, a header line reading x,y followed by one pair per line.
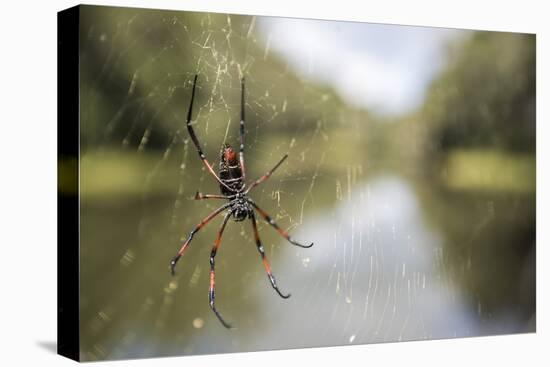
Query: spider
x,y
231,178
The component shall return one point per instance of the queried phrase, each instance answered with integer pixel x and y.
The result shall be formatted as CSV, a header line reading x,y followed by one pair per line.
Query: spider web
x,y
378,269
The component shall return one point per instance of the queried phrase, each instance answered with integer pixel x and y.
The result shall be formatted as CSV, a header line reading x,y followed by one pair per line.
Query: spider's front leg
x,y
266,175
196,141
241,133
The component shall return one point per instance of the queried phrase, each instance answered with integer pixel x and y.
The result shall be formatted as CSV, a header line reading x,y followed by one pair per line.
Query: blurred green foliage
x,y
134,92
472,149
486,96
489,170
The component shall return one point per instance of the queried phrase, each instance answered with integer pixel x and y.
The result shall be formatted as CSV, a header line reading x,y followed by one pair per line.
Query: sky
x,y
383,68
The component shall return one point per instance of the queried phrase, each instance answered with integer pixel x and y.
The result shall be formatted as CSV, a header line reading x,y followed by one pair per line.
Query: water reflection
x,y
376,274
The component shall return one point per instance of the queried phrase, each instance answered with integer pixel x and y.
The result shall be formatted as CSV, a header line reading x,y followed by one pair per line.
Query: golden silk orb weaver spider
x,y
231,178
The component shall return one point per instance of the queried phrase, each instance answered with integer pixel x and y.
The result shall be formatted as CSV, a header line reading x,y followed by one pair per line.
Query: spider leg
x,y
192,233
241,132
201,196
266,175
211,291
270,220
196,141
264,259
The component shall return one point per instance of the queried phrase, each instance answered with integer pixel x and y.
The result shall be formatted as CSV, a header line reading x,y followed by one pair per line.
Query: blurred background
x,y
411,166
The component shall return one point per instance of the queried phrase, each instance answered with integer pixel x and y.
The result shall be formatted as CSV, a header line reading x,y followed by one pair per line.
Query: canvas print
x,y
237,183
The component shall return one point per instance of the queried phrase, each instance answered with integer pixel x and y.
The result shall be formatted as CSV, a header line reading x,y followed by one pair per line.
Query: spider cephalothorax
x,y
241,208
231,178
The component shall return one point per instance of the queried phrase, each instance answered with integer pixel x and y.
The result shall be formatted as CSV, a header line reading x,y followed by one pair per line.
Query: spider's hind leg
x,y
197,228
264,259
211,290
273,224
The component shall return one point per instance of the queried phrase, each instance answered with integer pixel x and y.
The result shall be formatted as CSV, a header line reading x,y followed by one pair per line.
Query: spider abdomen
x,y
230,172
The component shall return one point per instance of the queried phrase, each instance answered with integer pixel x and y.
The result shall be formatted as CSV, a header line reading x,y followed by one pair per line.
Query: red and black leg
x,y
270,220
190,237
266,175
201,196
211,290
196,141
264,259
241,132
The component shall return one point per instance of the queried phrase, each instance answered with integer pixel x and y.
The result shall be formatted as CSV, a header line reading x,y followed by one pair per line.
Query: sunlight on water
x,y
392,288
